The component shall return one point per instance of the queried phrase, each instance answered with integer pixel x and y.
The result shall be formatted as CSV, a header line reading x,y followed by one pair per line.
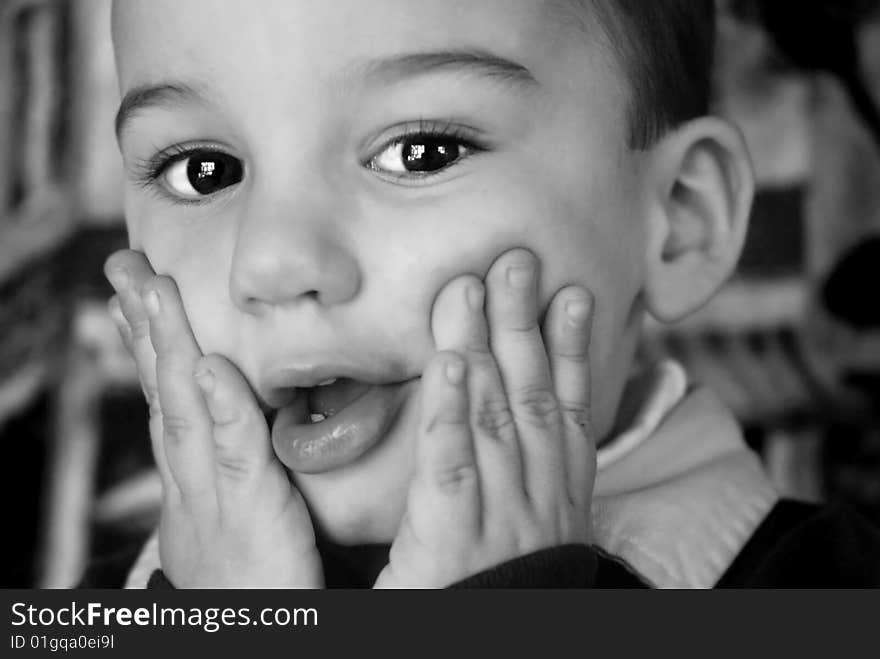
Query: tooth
x,y
327,382
317,417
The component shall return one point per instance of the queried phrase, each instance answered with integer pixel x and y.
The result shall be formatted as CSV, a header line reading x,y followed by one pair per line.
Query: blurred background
x,y
792,343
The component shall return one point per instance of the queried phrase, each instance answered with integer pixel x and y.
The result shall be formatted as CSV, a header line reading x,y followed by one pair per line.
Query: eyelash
x,y
147,171
432,130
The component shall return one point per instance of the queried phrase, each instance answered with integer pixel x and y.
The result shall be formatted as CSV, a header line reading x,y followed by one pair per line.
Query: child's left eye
x,y
420,156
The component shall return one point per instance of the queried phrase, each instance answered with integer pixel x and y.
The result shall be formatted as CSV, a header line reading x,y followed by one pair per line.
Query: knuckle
x,y
449,417
152,396
494,419
176,428
140,328
126,338
577,414
232,464
478,348
228,417
577,355
536,404
521,326
453,479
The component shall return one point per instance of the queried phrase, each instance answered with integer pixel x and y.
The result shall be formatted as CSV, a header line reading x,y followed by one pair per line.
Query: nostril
x,y
252,305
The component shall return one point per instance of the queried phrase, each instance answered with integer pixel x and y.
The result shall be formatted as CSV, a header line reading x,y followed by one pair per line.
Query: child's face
x,y
318,243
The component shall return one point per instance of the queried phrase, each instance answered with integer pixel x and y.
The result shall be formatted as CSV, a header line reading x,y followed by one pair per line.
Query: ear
x,y
701,184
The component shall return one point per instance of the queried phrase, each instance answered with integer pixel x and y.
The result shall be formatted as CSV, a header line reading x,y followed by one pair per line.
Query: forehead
x,y
302,39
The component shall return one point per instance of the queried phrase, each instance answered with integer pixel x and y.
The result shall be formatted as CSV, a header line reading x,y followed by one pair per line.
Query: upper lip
x,y
278,382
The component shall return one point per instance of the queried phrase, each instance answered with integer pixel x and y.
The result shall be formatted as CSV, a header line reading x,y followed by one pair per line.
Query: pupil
x,y
429,155
210,173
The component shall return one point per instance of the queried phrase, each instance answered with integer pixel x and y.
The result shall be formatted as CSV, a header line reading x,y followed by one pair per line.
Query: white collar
x,y
679,493
653,394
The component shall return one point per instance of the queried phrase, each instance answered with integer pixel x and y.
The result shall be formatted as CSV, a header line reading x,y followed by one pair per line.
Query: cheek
x,y
593,239
197,255
211,316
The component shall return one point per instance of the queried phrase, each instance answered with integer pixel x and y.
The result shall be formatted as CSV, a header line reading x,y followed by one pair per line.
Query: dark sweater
x,y
798,545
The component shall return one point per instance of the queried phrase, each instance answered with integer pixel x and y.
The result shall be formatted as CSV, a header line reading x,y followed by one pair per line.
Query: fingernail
x,y
475,294
206,380
455,371
578,309
520,276
151,302
118,277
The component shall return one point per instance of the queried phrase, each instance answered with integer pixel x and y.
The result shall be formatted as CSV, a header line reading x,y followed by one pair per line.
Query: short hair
x,y
666,49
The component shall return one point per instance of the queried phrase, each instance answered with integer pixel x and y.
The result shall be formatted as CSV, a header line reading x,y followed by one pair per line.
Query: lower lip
x,y
313,448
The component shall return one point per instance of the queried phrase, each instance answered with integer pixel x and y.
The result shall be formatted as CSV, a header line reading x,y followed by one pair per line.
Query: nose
x,y
290,252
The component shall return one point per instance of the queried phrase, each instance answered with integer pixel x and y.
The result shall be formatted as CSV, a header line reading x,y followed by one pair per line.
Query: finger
x,y
127,271
446,481
133,262
567,329
515,337
119,273
186,423
242,448
115,312
459,325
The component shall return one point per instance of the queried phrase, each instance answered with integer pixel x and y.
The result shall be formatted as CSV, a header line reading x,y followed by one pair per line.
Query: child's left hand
x,y
505,455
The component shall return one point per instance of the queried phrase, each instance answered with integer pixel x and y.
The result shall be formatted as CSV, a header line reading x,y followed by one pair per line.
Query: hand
x,y
505,456
230,516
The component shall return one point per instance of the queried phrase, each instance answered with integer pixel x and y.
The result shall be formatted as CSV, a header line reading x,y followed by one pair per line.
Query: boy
x,y
405,250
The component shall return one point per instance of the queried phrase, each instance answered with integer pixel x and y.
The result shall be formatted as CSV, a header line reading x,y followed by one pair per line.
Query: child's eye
x,y
200,173
421,155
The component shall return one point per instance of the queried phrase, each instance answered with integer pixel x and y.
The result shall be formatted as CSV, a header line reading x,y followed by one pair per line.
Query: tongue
x,y
312,448
330,399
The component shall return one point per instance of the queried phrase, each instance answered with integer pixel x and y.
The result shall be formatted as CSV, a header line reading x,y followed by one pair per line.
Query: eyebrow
x,y
154,95
389,69
476,62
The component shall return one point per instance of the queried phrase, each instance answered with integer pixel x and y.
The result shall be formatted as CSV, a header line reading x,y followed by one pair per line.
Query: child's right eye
x,y
188,174
198,173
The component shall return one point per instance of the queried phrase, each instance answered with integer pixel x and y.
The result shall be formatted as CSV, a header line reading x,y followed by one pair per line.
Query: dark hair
x,y
666,49
844,293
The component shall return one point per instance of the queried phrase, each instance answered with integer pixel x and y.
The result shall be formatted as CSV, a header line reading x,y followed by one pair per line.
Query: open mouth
x,y
333,423
332,395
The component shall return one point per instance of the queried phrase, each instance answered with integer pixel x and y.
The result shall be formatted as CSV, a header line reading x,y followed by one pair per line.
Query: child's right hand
x,y
230,516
